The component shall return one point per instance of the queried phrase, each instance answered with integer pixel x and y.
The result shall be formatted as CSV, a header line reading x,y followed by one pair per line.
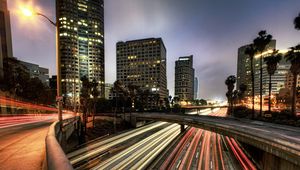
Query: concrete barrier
x,y
55,156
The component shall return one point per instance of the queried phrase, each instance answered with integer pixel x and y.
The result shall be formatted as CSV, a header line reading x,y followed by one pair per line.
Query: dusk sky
x,y
211,30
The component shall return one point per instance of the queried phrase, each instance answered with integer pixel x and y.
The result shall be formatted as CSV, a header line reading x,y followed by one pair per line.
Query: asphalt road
x,y
23,146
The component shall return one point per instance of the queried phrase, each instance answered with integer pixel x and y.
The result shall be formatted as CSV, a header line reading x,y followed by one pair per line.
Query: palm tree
x,y
293,56
230,81
272,62
297,22
260,44
251,51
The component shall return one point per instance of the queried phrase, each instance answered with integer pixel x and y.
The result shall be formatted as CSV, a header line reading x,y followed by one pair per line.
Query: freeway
x,y
16,120
282,141
200,149
197,148
141,154
89,155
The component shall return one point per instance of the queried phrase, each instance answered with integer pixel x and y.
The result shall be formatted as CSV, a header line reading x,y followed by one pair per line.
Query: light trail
x,y
179,151
17,120
176,150
211,153
8,102
100,147
126,157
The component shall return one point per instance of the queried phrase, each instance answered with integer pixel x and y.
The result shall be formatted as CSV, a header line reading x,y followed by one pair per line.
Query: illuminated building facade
x,y
81,38
5,35
143,63
196,88
278,80
35,71
289,80
244,71
184,78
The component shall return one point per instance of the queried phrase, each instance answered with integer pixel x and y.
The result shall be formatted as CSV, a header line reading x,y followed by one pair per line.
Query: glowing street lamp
x,y
29,13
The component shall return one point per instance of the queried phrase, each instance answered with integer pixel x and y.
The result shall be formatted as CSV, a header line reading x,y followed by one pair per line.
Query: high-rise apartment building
x,y
244,70
5,35
35,71
196,84
289,80
184,78
81,38
108,88
143,63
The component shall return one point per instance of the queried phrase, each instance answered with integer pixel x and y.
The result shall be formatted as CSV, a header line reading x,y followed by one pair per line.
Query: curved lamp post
x,y
29,13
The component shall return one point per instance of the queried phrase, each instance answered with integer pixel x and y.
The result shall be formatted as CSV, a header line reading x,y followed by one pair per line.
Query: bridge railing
x,y
57,134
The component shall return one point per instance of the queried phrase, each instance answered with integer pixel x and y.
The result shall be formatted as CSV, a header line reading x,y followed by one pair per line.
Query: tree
x,y
260,44
203,102
293,56
272,62
95,93
242,90
121,91
84,99
132,89
297,22
230,81
251,51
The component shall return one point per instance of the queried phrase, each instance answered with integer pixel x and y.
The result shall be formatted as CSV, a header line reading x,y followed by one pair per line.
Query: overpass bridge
x,y
204,107
281,144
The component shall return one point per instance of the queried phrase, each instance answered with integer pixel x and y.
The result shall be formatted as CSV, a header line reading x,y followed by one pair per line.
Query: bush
x,y
241,112
176,108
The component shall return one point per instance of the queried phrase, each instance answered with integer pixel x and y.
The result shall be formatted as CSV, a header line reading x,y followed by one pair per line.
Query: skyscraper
x,y
265,78
184,78
143,63
244,70
81,38
5,35
196,84
35,71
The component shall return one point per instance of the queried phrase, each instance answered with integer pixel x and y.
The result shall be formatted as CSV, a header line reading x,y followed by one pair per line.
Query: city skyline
x,y
199,36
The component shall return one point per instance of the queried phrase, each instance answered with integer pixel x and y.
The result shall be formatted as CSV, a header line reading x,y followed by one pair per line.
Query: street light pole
x,y
28,13
58,62
58,70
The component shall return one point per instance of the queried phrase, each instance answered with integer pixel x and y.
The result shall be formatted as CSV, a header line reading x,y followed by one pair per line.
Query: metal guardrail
x,y
55,156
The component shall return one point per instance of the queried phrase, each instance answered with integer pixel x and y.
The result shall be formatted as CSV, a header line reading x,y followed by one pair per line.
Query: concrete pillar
x,y
182,129
272,162
133,121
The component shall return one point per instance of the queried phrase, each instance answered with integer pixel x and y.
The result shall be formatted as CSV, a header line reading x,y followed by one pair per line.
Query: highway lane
x,y
90,154
280,140
201,149
16,120
23,146
13,103
141,154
